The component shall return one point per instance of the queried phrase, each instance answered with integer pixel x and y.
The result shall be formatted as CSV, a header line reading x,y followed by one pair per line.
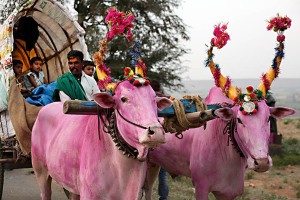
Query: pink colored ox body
x,y
209,157
68,149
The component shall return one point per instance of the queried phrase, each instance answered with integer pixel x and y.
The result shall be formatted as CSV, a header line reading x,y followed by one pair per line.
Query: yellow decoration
x,y
131,73
140,71
111,87
100,74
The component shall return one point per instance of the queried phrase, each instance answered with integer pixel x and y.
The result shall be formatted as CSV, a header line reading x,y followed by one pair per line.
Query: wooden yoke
x,y
78,107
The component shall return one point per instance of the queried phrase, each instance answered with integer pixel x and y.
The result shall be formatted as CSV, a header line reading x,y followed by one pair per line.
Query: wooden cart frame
x,y
59,32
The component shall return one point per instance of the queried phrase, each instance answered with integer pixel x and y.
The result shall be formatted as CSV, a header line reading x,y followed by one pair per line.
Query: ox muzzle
x,y
153,136
261,164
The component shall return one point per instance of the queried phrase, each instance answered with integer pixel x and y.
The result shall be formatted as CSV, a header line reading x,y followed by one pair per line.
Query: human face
x,y
18,69
89,70
75,65
37,66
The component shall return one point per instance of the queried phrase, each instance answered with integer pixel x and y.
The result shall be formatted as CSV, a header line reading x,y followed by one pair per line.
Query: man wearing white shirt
x,y
75,85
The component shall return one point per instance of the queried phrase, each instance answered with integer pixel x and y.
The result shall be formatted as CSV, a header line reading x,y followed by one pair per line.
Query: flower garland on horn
x,y
248,101
277,24
219,40
120,24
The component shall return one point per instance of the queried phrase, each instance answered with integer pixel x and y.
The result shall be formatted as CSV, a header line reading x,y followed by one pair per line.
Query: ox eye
x,y
239,121
124,99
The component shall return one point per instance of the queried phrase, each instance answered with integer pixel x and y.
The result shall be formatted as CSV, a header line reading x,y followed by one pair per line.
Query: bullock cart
x,y
54,33
52,36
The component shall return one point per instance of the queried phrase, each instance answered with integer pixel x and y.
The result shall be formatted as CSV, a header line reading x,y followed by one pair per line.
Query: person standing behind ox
x,y
163,188
36,76
75,84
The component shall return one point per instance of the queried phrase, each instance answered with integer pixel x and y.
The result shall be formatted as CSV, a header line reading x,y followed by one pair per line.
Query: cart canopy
x,y
58,33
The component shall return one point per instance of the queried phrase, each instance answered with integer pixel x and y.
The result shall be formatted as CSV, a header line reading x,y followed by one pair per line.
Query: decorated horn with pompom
x,y
278,24
120,24
219,41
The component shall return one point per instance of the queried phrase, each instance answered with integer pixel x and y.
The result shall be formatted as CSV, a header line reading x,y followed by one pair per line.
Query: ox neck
x,y
231,130
112,129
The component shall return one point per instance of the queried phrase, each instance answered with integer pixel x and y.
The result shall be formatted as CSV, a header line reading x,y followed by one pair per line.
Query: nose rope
x,y
151,132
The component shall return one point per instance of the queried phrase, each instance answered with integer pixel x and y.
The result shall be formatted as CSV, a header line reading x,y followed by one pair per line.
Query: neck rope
x,y
231,129
112,129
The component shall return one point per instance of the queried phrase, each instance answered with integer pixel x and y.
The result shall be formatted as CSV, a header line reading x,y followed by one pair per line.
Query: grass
x,y
290,153
249,175
181,188
287,121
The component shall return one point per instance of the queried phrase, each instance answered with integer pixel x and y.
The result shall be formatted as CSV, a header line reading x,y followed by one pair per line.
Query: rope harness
x,y
231,129
180,123
112,129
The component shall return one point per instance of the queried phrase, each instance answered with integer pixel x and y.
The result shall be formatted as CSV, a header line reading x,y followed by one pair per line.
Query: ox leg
x,y
44,182
152,173
223,196
201,191
226,195
74,196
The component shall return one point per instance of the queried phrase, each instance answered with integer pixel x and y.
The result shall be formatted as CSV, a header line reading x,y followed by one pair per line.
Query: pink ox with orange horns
x,y
216,157
99,157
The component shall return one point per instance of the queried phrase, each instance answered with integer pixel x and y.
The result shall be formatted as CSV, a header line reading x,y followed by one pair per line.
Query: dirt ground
x,y
281,181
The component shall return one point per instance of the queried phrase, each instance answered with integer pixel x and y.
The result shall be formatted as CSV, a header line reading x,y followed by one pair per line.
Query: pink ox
x,y
68,148
216,157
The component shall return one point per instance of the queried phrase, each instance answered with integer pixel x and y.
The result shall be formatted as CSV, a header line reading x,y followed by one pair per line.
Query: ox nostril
x,y
255,162
150,131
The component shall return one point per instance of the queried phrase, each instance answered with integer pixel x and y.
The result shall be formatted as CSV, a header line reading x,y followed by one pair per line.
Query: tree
x,y
156,27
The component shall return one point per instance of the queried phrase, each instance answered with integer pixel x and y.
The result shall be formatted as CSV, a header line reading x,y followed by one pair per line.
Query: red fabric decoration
x,y
136,82
235,99
216,75
252,95
127,70
266,82
244,112
249,89
147,82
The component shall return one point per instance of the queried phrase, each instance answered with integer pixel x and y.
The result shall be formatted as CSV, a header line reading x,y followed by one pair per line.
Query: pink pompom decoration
x,y
280,38
221,36
279,23
120,24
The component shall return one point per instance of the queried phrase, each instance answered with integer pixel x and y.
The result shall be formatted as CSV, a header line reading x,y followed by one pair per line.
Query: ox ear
x,y
280,112
163,102
224,113
104,100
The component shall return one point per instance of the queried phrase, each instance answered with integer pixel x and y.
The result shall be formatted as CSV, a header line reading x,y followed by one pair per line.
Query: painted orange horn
x,y
219,41
278,24
114,19
220,81
103,73
273,72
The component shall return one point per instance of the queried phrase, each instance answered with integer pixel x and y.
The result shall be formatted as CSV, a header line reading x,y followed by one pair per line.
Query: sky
x,y
250,51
